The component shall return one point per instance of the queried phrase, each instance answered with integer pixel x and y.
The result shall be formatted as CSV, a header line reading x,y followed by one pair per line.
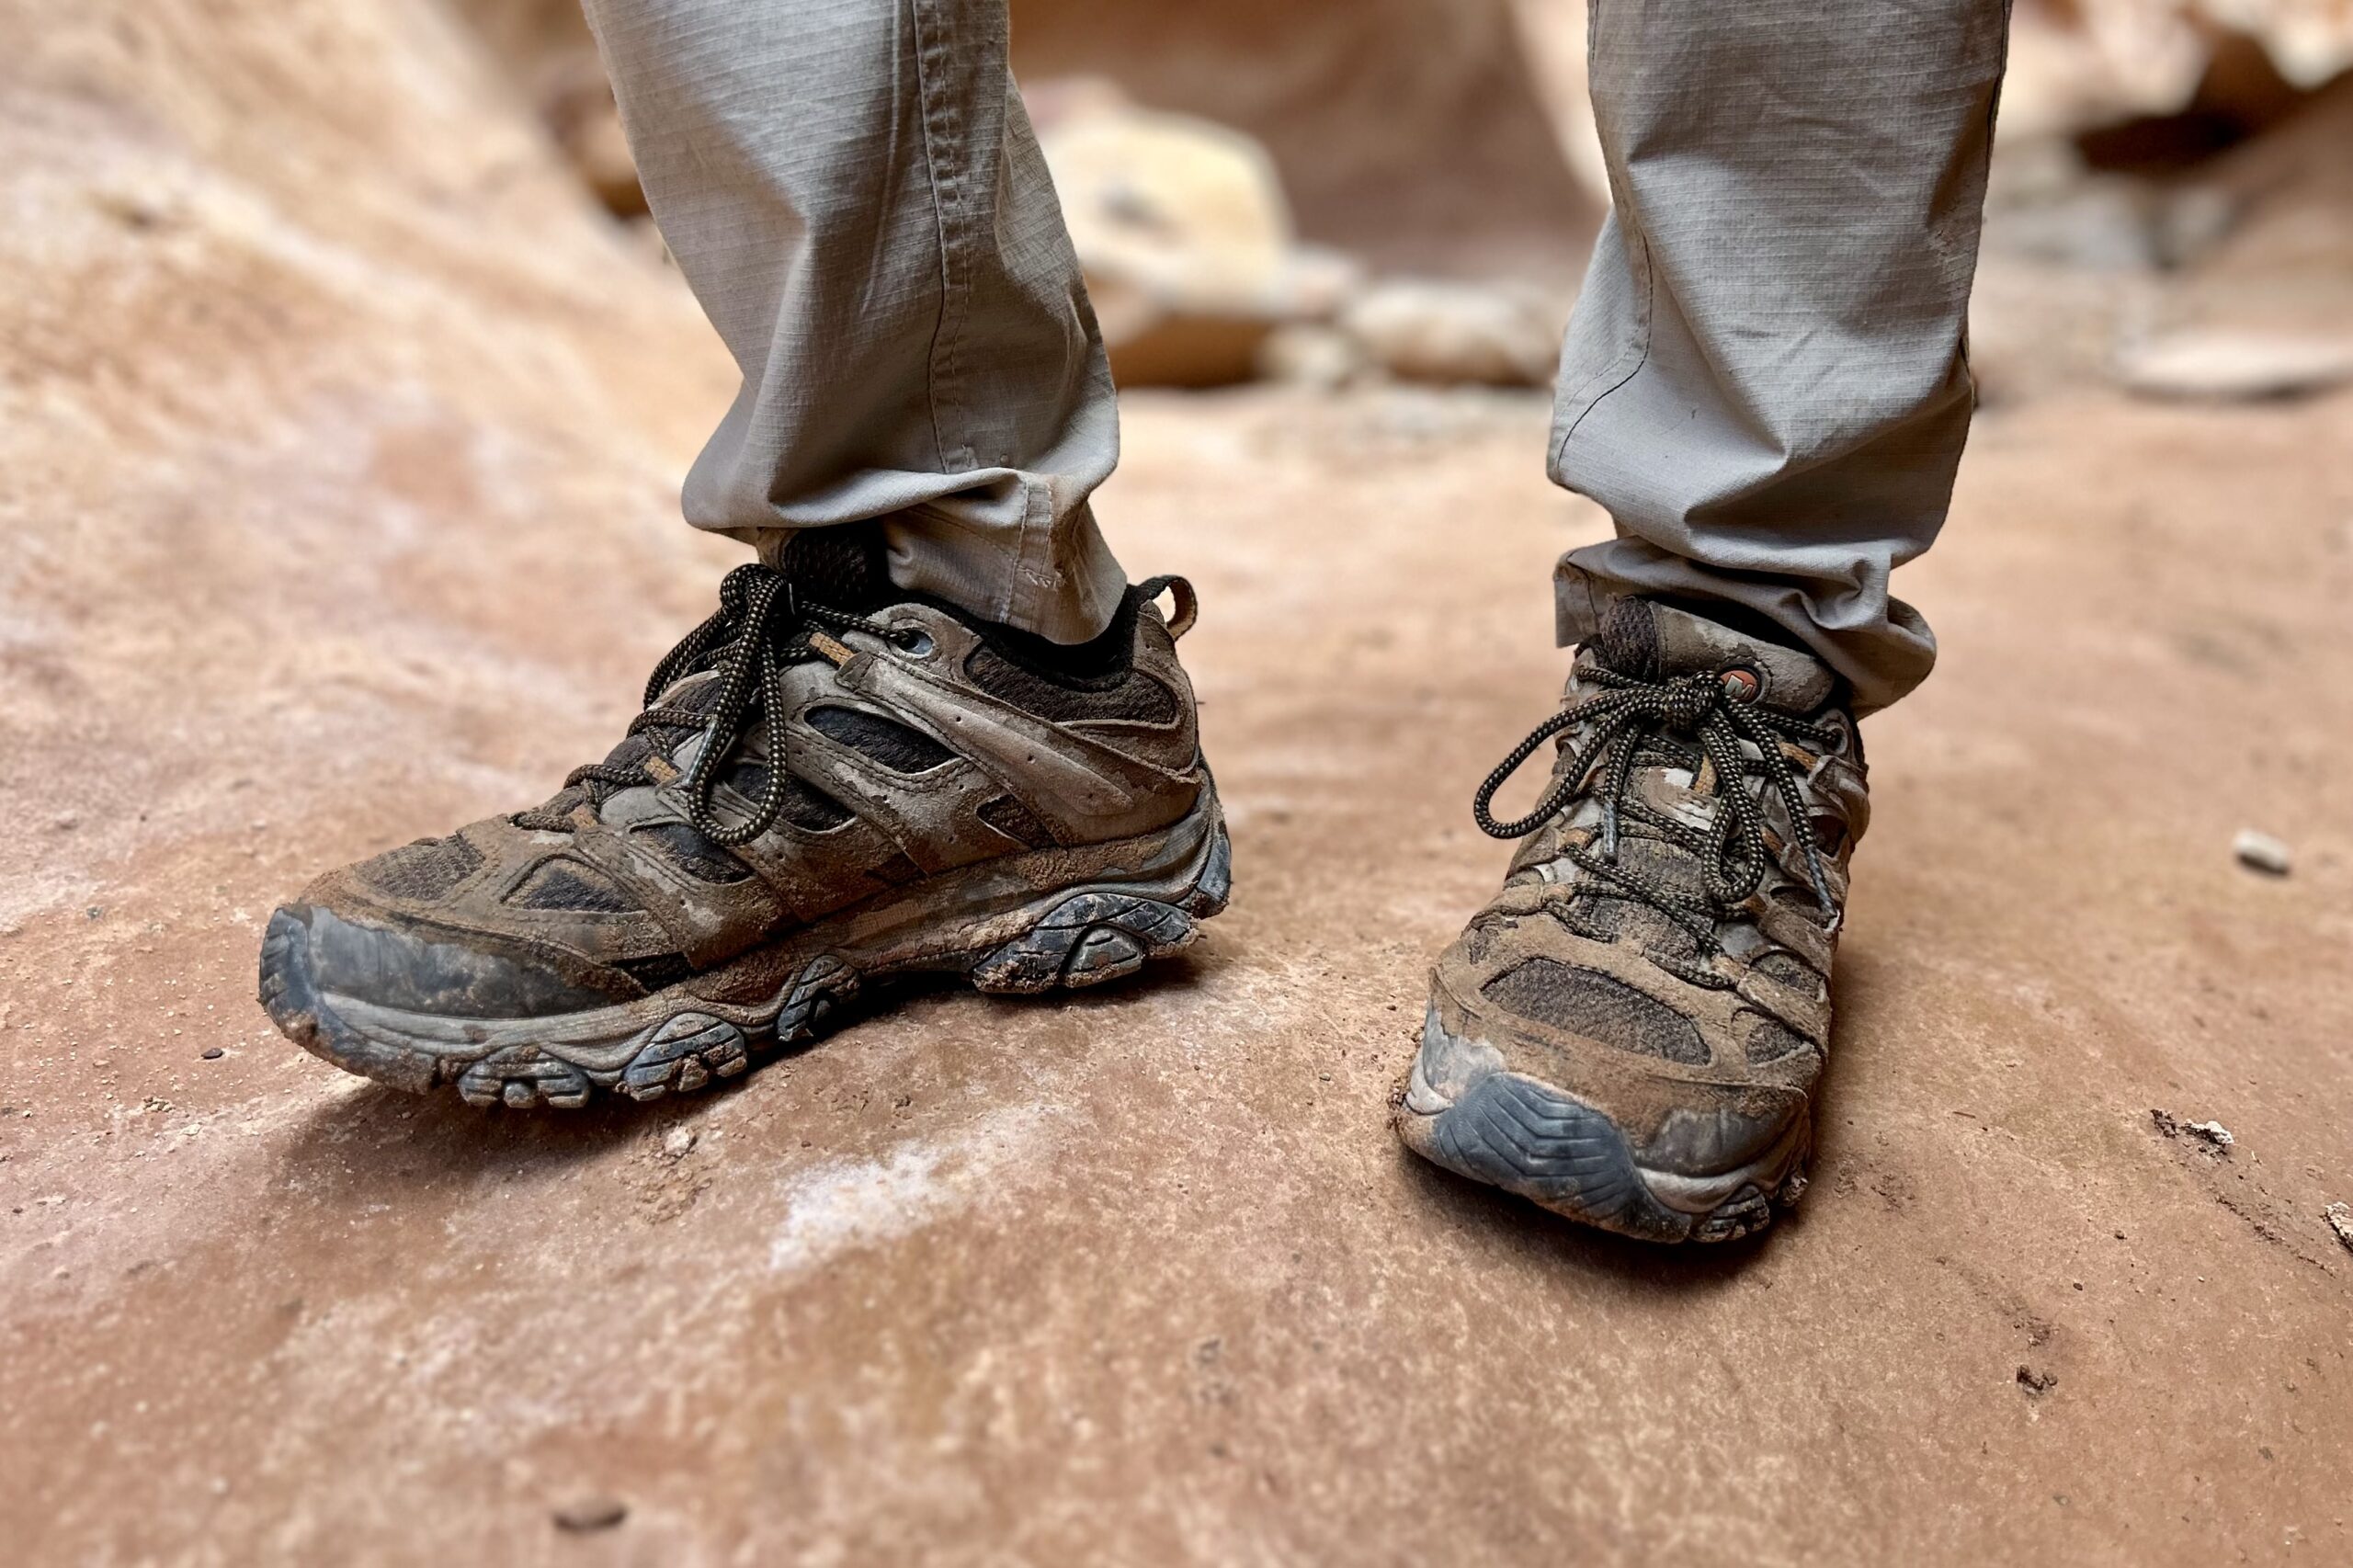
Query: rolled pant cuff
x,y
1052,576
1061,582
1878,646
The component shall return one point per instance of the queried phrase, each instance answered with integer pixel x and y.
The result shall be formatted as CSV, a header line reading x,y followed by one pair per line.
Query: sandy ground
x,y
1142,1278
339,490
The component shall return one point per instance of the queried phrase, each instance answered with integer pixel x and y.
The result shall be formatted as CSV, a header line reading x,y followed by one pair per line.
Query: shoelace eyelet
x,y
1617,716
913,640
761,628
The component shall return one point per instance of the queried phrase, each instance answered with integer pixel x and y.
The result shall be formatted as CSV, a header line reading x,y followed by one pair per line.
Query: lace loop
x,y
761,628
1719,714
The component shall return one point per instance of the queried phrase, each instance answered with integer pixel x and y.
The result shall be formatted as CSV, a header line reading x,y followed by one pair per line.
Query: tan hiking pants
x,y
1764,382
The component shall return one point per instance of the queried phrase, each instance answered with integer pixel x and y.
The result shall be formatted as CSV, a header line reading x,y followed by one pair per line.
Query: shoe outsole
x,y
1545,1144
1067,938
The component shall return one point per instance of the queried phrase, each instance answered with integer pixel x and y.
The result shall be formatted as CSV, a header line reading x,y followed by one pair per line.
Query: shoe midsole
x,y
941,922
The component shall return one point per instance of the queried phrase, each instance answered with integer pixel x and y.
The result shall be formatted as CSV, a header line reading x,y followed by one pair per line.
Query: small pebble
x,y
2340,1220
2260,852
591,1514
213,1053
2213,1134
676,1142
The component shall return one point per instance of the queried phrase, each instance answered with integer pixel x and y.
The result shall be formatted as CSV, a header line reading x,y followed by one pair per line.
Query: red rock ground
x,y
339,464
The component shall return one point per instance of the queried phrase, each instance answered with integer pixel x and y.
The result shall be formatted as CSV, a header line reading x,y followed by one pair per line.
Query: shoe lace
x,y
761,628
1733,852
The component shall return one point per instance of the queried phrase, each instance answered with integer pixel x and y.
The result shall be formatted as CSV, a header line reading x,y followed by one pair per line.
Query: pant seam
x,y
942,154
1630,234
1639,351
1037,527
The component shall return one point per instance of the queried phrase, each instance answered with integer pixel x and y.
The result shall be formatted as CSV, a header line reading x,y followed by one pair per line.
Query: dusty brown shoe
x,y
821,791
1631,1033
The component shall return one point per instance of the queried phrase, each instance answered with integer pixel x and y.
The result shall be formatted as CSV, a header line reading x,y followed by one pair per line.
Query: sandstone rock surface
x,y
1431,330
339,440
1184,234
2229,367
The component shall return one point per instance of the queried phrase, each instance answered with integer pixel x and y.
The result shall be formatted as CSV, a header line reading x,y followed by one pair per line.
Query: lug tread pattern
x,y
1086,939
824,984
522,1076
684,1053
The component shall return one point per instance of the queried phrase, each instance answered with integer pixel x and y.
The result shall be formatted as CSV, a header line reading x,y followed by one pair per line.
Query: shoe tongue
x,y
845,567
1650,640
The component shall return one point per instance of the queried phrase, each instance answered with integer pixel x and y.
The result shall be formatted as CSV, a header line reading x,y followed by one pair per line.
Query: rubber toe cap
x,y
418,972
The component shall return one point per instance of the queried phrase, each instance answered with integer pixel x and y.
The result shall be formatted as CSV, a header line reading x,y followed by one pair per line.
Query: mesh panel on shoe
x,y
1596,916
896,871
1785,966
747,778
1665,865
1768,1039
1670,945
887,742
1016,821
805,805
567,885
426,868
1133,696
700,697
843,566
1598,1008
1627,639
685,846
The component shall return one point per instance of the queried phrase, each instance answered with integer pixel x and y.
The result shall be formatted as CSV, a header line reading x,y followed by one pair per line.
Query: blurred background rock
x,y
1335,188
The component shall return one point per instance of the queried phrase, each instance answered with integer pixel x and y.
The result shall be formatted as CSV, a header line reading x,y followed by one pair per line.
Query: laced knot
x,y
1719,710
761,628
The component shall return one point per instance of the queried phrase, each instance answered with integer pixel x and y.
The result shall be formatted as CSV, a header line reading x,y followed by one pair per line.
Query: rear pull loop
x,y
1188,603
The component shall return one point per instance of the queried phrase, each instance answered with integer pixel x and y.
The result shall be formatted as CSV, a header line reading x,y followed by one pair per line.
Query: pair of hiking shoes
x,y
834,781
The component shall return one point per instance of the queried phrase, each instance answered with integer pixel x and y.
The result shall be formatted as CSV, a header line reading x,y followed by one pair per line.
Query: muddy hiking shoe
x,y
832,781
1629,1033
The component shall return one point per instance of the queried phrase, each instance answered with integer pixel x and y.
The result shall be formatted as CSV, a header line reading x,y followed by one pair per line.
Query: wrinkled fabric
x,y
1764,382
854,193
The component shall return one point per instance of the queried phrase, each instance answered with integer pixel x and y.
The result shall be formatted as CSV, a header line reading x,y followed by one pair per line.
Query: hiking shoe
x,y
832,781
1631,1033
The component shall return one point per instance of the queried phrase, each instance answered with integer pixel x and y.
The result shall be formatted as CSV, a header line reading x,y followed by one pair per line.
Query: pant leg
x,y
854,194
1765,382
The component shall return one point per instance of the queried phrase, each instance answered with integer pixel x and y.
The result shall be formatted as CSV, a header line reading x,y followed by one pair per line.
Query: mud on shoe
x,y
1631,1033
832,781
